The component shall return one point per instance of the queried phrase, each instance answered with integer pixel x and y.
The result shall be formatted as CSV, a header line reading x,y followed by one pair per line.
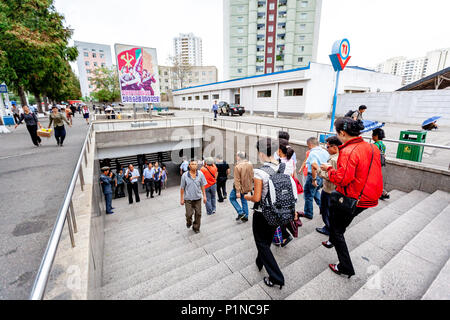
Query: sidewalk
x,y
33,183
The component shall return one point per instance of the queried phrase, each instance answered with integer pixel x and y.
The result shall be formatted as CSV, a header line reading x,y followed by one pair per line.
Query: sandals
x,y
270,283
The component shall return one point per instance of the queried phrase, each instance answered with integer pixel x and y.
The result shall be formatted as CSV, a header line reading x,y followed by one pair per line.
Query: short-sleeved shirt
x,y
317,155
264,176
210,174
120,178
290,166
148,173
135,172
357,114
157,174
215,107
192,187
184,166
381,146
222,168
277,157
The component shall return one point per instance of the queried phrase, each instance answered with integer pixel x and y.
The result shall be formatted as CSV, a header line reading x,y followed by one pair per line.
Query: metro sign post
x,y
340,55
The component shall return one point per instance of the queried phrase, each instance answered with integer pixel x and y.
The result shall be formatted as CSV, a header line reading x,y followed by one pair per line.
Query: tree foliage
x,y
180,70
34,51
106,81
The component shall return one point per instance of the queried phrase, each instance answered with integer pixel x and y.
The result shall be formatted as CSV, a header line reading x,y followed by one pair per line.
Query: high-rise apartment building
x,y
90,57
415,69
265,36
169,80
188,49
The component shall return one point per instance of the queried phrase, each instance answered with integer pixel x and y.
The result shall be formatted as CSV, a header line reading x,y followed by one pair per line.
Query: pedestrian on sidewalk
x,y
209,170
243,184
164,176
132,175
358,176
85,111
192,189
215,108
262,231
285,135
378,136
58,120
223,170
120,184
106,182
184,167
157,178
313,181
32,123
147,179
16,113
285,155
68,114
357,115
333,144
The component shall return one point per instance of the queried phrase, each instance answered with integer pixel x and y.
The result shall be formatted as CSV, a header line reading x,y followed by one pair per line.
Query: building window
x,y
239,70
215,96
269,60
93,50
205,97
272,6
302,38
269,70
203,73
259,69
167,81
260,26
261,4
86,54
282,14
303,16
240,60
240,50
241,9
94,55
304,4
184,99
265,94
269,49
280,68
240,19
86,63
95,64
103,64
300,59
271,17
197,98
293,92
301,48
302,26
271,28
165,73
240,40
102,55
88,71
270,39
189,98
240,30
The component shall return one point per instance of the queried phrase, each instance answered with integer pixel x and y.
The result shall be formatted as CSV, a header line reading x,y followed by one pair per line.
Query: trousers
x,y
221,188
149,186
108,200
263,234
130,188
60,134
193,208
339,221
158,187
325,209
211,199
33,134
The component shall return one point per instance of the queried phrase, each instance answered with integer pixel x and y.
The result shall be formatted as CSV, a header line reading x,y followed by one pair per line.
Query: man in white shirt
x,y
147,179
132,175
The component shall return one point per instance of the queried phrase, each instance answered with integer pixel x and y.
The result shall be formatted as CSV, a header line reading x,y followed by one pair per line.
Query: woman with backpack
x,y
378,136
359,185
263,229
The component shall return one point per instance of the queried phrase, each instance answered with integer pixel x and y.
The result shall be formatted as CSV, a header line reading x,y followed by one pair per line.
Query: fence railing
x,y
66,213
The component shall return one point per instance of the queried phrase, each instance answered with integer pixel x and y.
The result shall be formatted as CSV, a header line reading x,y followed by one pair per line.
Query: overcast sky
x,y
377,29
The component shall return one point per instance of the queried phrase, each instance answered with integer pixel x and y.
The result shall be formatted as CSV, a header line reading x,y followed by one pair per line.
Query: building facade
x,y
90,57
415,69
188,49
169,81
266,36
297,92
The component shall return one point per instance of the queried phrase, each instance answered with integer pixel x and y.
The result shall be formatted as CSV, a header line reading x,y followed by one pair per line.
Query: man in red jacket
x,y
358,175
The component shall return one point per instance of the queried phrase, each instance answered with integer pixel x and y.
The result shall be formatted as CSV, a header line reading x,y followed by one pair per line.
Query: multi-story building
x,y
90,57
265,36
188,49
197,75
415,69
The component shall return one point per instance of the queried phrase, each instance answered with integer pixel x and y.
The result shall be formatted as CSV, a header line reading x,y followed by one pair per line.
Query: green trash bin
x,y
411,152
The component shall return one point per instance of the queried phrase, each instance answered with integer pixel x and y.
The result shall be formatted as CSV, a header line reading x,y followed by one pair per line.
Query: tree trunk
x,y
23,99
37,96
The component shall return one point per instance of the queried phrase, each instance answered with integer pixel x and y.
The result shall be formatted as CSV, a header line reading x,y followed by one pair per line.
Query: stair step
x,y
309,256
166,280
253,293
196,282
439,289
223,289
368,257
155,270
411,272
120,272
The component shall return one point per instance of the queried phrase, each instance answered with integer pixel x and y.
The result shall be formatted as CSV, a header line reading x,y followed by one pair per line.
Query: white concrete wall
x,y
409,107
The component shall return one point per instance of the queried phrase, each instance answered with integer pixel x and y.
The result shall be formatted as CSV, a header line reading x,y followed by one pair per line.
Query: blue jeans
x,y
311,193
211,199
108,200
240,210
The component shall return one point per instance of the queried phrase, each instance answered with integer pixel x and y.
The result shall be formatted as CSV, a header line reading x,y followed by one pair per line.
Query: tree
x,y
106,81
180,69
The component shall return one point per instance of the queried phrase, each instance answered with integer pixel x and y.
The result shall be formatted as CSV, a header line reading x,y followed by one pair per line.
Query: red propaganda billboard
x,y
138,74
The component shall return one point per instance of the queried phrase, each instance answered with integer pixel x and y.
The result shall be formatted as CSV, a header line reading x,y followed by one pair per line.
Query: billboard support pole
x,y
134,111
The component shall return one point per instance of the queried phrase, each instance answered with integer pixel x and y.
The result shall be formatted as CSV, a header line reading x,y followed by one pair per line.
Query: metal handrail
x,y
41,280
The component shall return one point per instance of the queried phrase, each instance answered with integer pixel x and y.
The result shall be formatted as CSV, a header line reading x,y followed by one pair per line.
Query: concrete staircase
x,y
400,250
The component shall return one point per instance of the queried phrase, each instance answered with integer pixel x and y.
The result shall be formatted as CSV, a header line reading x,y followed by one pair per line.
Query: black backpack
x,y
278,207
349,114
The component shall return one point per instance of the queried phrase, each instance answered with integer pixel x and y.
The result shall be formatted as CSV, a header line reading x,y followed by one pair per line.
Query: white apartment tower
x,y
265,36
188,49
415,69
90,57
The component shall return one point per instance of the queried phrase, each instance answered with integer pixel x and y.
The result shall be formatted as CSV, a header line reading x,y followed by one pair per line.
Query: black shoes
x,y
334,268
270,283
239,217
188,225
284,244
385,196
327,244
323,231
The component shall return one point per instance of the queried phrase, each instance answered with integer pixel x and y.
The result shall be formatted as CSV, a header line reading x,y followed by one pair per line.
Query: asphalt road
x,y
33,182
